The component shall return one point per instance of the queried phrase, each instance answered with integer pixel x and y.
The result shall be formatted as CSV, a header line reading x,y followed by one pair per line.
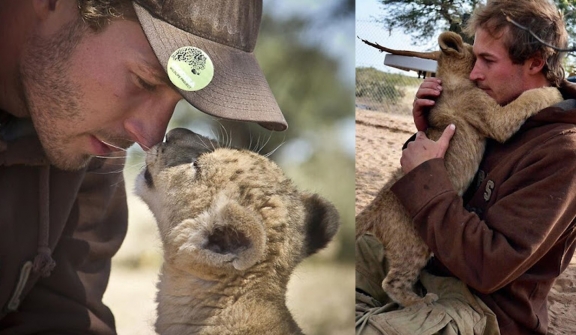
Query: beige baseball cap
x,y
206,48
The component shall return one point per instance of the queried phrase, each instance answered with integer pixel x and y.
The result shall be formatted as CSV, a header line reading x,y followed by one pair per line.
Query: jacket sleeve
x,y
69,301
530,211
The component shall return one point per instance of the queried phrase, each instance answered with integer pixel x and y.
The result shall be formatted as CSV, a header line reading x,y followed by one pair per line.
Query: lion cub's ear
x,y
227,234
322,222
238,231
452,44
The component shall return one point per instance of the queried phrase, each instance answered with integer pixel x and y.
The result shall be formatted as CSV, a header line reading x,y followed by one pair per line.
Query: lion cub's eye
x,y
148,178
195,166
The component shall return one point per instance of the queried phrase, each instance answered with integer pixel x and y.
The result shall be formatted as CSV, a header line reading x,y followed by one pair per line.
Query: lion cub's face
x,y
222,210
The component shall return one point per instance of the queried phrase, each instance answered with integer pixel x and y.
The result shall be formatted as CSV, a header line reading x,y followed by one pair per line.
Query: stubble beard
x,y
50,96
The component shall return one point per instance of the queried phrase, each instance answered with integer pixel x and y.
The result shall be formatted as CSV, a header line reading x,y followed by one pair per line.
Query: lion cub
x,y
477,117
233,229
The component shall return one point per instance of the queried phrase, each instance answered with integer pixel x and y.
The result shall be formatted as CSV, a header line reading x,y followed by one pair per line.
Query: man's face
x,y
92,93
494,71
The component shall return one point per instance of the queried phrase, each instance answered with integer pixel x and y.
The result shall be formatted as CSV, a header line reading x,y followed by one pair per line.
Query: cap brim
x,y
238,90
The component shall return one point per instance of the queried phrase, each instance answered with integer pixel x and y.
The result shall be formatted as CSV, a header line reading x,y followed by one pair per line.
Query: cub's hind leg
x,y
404,266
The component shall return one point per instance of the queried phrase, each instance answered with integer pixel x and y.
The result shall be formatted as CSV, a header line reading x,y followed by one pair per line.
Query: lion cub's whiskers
x,y
223,137
113,145
256,147
274,150
110,157
266,143
108,172
146,148
206,145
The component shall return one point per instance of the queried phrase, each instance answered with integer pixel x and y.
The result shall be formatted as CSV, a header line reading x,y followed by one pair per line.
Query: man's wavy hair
x,y
540,16
98,13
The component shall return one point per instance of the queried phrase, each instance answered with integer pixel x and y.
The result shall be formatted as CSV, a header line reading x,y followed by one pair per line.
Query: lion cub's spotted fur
x,y
233,228
477,117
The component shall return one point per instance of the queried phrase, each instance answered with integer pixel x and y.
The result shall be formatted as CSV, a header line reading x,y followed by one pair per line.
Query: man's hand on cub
x,y
427,93
423,149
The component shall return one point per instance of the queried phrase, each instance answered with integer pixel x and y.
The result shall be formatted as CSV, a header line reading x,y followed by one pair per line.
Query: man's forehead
x,y
487,44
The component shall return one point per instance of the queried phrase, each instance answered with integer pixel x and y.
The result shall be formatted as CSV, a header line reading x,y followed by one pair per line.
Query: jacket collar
x,y
19,143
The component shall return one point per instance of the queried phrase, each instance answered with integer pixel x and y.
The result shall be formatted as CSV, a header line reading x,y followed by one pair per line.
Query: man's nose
x,y
148,124
475,74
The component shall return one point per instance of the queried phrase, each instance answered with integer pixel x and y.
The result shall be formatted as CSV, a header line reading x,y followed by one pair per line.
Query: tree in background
x,y
424,18
568,8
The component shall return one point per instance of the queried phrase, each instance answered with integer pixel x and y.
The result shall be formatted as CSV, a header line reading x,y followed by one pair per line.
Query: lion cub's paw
x,y
543,97
430,298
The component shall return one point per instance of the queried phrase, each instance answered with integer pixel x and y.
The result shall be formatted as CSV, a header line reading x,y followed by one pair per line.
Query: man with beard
x,y
80,81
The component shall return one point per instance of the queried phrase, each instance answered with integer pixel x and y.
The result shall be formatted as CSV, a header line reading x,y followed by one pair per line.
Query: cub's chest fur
x,y
233,228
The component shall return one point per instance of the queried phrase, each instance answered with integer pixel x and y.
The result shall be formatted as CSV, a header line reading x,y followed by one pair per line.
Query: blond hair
x,y
98,13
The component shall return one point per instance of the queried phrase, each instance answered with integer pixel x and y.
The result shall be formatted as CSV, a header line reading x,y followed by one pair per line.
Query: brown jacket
x,y
514,232
62,225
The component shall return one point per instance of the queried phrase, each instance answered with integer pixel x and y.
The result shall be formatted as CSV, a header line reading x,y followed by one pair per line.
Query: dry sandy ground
x,y
379,139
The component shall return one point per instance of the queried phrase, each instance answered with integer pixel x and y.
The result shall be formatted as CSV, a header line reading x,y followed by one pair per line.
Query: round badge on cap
x,y
190,68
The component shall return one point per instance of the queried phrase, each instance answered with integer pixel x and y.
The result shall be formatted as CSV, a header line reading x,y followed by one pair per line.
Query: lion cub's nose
x,y
178,134
185,146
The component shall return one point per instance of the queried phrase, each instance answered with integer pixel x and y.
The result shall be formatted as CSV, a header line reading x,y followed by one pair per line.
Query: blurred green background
x,y
306,52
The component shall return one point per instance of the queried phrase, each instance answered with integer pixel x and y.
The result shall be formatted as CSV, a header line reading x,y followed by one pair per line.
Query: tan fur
x,y
477,117
233,228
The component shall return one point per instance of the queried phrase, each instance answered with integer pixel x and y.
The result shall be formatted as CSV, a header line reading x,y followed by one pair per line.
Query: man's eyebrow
x,y
486,54
152,70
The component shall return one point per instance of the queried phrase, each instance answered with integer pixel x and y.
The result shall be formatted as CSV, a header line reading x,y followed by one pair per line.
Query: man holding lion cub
x,y
499,247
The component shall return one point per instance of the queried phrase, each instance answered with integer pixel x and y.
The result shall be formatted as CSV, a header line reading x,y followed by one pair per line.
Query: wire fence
x,y
380,87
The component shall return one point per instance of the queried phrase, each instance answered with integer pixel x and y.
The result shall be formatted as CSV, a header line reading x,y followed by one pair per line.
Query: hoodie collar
x,y
19,144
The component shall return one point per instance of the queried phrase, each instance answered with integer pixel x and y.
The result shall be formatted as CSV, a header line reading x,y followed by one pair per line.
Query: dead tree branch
x,y
573,49
375,45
